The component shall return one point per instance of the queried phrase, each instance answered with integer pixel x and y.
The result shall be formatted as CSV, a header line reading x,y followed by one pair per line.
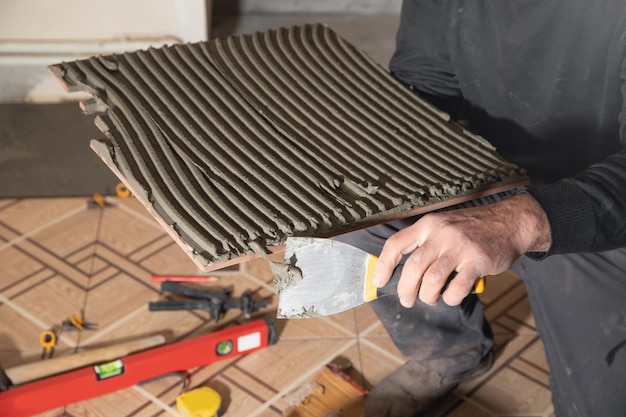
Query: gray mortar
x,y
235,144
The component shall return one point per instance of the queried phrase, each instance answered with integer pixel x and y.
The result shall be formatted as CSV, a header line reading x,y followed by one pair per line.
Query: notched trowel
x,y
321,277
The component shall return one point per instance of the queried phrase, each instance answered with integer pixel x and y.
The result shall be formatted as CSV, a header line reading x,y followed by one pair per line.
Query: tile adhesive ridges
x,y
236,143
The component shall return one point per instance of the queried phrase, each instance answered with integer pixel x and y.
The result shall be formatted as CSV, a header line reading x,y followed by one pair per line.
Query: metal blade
x,y
325,277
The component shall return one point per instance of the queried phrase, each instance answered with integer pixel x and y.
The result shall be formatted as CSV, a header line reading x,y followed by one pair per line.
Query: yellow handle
x,y
479,285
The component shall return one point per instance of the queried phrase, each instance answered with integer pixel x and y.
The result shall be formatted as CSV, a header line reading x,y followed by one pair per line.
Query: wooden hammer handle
x,y
32,371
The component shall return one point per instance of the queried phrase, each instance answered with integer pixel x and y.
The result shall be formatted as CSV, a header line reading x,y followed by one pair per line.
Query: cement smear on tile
x,y
236,143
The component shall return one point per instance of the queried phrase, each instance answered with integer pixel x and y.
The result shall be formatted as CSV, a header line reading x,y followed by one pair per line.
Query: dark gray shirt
x,y
544,81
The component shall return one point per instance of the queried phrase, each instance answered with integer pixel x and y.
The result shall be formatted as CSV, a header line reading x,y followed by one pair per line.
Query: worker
x,y
544,82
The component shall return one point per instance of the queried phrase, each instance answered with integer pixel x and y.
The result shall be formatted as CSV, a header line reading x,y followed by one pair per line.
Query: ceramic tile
x,y
170,260
534,373
467,409
124,264
249,383
507,348
118,403
123,233
69,235
351,363
536,356
152,248
57,412
83,257
298,361
504,302
510,392
16,265
30,214
380,357
19,337
27,283
102,275
515,325
237,400
54,262
497,285
319,327
115,299
260,268
368,324
53,301
521,312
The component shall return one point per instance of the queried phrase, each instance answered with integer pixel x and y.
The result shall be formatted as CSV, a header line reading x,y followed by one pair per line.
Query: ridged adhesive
x,y
236,143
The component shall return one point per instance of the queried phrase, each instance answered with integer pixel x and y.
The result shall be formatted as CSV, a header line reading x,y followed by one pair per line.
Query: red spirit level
x,y
92,381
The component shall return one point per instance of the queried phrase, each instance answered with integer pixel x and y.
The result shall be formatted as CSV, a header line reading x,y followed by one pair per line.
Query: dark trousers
x,y
579,304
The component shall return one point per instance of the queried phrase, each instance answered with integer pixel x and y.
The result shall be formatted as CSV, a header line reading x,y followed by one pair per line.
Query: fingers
x,y
395,247
459,288
438,245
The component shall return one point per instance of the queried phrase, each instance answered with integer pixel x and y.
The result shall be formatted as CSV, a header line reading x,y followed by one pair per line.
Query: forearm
x,y
586,213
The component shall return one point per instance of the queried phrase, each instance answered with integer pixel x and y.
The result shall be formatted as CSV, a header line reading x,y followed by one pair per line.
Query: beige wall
x,y
60,20
37,33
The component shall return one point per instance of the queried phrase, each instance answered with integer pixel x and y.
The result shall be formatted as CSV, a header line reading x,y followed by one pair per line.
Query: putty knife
x,y
325,277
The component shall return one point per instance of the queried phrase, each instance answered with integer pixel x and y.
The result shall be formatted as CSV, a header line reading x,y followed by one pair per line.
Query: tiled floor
x,y
59,257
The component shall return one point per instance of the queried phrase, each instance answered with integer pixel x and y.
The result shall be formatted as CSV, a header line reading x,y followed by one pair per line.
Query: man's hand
x,y
474,242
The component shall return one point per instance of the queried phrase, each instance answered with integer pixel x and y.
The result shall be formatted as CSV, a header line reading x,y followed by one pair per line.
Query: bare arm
x,y
473,242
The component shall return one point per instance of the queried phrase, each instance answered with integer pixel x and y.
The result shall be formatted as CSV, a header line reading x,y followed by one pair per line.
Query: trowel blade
x,y
324,277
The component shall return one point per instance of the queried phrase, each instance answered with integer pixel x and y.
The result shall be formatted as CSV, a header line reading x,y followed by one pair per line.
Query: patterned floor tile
x,y
28,215
16,265
510,392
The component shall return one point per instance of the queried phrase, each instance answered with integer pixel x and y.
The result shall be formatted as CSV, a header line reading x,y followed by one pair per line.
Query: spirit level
x,y
92,381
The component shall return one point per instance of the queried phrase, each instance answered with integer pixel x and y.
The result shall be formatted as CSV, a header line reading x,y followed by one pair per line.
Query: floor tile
x,y
510,392
27,215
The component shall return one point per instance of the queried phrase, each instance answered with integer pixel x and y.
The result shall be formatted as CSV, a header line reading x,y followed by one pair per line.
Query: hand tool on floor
x,y
47,340
92,381
215,302
33,371
76,322
325,277
200,402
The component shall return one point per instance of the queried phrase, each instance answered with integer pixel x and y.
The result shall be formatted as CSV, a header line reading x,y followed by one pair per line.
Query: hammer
x,y
32,371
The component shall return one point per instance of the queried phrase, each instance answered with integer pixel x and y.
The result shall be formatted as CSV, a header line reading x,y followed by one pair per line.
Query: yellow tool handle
x,y
371,292
479,285
32,371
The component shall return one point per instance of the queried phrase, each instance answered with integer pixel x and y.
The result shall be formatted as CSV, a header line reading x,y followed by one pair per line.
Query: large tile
x,y
16,265
119,403
313,328
286,365
497,285
123,233
380,357
511,393
169,260
53,301
69,235
28,215
26,283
